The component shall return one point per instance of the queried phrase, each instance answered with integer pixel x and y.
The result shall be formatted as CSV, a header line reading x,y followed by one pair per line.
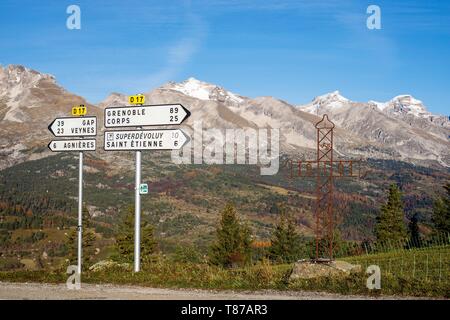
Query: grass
x,y
425,264
263,275
172,275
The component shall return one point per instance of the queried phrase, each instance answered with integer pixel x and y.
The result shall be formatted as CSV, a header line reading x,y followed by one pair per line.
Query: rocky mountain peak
x,y
403,105
331,99
114,99
14,74
408,104
15,79
204,91
325,103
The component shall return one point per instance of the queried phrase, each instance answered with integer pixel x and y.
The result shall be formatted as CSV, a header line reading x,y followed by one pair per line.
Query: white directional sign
x,y
137,116
74,126
145,140
72,145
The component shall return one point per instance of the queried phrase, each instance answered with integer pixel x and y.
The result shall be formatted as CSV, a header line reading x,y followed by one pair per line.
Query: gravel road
x,y
113,292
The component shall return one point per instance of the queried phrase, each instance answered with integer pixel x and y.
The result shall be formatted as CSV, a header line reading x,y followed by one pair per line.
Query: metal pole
x,y
137,215
80,210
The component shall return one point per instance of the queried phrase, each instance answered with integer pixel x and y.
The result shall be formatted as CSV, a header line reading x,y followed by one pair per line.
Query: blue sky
x,y
293,50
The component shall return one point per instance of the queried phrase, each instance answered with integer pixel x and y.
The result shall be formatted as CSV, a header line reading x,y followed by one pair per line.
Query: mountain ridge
x,y
400,129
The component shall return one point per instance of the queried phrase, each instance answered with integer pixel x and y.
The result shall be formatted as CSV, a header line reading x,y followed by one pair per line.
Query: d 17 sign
x,y
72,145
137,99
80,110
154,115
169,139
74,127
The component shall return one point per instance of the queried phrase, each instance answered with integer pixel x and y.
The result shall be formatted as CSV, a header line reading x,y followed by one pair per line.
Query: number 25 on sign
x,y
137,99
80,110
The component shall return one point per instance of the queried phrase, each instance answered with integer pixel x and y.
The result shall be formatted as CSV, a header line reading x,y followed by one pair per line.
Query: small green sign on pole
x,y
143,188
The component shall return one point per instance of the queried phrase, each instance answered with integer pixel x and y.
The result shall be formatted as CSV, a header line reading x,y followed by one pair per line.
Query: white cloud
x,y
180,52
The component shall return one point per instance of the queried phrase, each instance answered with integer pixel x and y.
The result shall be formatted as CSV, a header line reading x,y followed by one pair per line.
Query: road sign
x,y
143,188
165,139
137,99
80,110
74,126
72,145
150,115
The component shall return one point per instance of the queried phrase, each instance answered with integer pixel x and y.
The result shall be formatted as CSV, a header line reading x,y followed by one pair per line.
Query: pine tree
x,y
390,225
285,240
232,245
88,240
414,234
149,245
125,239
441,213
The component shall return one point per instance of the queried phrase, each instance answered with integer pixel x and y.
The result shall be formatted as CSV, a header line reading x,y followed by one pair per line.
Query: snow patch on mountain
x,y
408,104
403,104
379,105
204,91
194,88
330,101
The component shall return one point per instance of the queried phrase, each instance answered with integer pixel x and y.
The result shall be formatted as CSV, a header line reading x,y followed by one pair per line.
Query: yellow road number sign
x,y
80,110
136,99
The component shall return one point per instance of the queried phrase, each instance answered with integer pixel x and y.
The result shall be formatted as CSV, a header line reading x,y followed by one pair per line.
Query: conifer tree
x,y
233,239
125,239
88,240
390,225
285,242
414,234
441,212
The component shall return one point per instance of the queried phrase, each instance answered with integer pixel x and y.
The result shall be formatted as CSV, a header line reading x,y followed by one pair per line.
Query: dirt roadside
x,y
40,291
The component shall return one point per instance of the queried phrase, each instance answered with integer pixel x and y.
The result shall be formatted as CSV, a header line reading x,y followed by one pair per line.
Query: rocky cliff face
x,y
29,101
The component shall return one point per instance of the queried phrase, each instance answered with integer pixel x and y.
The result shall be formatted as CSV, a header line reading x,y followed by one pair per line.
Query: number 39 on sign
x,y
80,110
136,99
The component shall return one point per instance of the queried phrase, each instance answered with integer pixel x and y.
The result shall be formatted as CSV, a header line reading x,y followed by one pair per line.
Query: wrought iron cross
x,y
325,169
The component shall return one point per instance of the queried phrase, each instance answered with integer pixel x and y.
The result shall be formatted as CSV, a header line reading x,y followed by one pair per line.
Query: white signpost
x,y
139,116
75,127
154,115
170,139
